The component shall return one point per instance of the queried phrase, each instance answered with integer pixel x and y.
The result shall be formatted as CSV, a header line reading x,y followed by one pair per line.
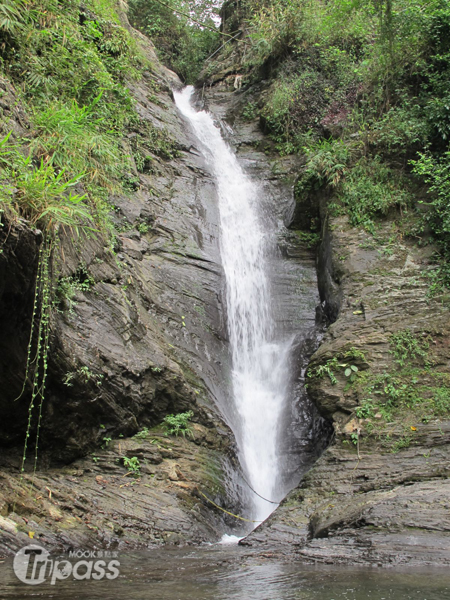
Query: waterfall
x,y
259,360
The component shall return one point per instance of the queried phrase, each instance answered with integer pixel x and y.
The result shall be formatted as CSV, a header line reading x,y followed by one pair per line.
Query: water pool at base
x,y
228,573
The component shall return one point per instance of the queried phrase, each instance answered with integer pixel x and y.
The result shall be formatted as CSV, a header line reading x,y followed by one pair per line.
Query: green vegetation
x,y
87,375
310,239
132,464
73,51
406,346
392,403
362,89
411,392
66,289
335,366
183,32
435,170
423,393
72,62
178,424
142,435
250,111
41,194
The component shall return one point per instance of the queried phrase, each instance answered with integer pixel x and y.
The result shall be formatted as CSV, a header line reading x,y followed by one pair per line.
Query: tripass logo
x,y
33,565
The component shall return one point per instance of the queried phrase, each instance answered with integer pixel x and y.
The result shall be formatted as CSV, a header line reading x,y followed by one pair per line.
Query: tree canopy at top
x,y
184,32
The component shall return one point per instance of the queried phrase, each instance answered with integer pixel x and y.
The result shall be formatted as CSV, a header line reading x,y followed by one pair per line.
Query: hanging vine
x,y
38,347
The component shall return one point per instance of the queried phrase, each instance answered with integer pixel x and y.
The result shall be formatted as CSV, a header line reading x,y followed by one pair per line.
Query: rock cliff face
x,y
118,340
379,493
137,335
142,333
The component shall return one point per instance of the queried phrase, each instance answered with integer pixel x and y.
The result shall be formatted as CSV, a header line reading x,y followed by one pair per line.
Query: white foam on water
x,y
259,361
230,540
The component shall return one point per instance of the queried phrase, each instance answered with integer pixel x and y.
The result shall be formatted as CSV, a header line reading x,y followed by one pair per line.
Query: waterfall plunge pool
x,y
231,572
227,571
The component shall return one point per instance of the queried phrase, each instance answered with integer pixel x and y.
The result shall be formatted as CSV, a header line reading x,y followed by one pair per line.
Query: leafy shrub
x,y
400,129
40,194
369,191
132,464
295,101
435,170
142,435
178,424
250,111
327,162
366,190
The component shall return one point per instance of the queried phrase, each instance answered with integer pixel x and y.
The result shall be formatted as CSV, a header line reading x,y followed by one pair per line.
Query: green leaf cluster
x,y
184,33
132,464
336,365
362,88
40,193
178,424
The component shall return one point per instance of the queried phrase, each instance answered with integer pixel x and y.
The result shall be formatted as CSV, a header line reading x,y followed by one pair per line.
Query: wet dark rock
x,y
292,273
18,263
370,505
97,502
135,336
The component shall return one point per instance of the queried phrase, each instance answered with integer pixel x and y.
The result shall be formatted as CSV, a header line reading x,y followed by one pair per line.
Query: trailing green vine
x,y
38,346
43,340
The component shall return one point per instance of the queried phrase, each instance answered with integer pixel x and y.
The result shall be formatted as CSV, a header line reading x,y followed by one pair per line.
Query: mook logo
x,y
33,565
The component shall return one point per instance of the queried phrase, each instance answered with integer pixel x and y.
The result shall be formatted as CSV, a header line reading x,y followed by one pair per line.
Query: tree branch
x,y
194,20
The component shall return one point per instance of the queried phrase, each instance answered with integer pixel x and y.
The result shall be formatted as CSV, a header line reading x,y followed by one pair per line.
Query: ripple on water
x,y
230,572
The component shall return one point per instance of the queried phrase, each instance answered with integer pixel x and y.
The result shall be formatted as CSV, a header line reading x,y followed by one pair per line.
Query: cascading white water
x,y
259,377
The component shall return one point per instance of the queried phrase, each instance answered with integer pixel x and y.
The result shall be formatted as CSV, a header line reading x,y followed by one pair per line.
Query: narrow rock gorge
x,y
384,502
144,334
139,331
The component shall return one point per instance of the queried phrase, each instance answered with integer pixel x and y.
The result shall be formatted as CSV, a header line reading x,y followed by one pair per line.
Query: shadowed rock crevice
x,y
377,494
141,333
136,334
